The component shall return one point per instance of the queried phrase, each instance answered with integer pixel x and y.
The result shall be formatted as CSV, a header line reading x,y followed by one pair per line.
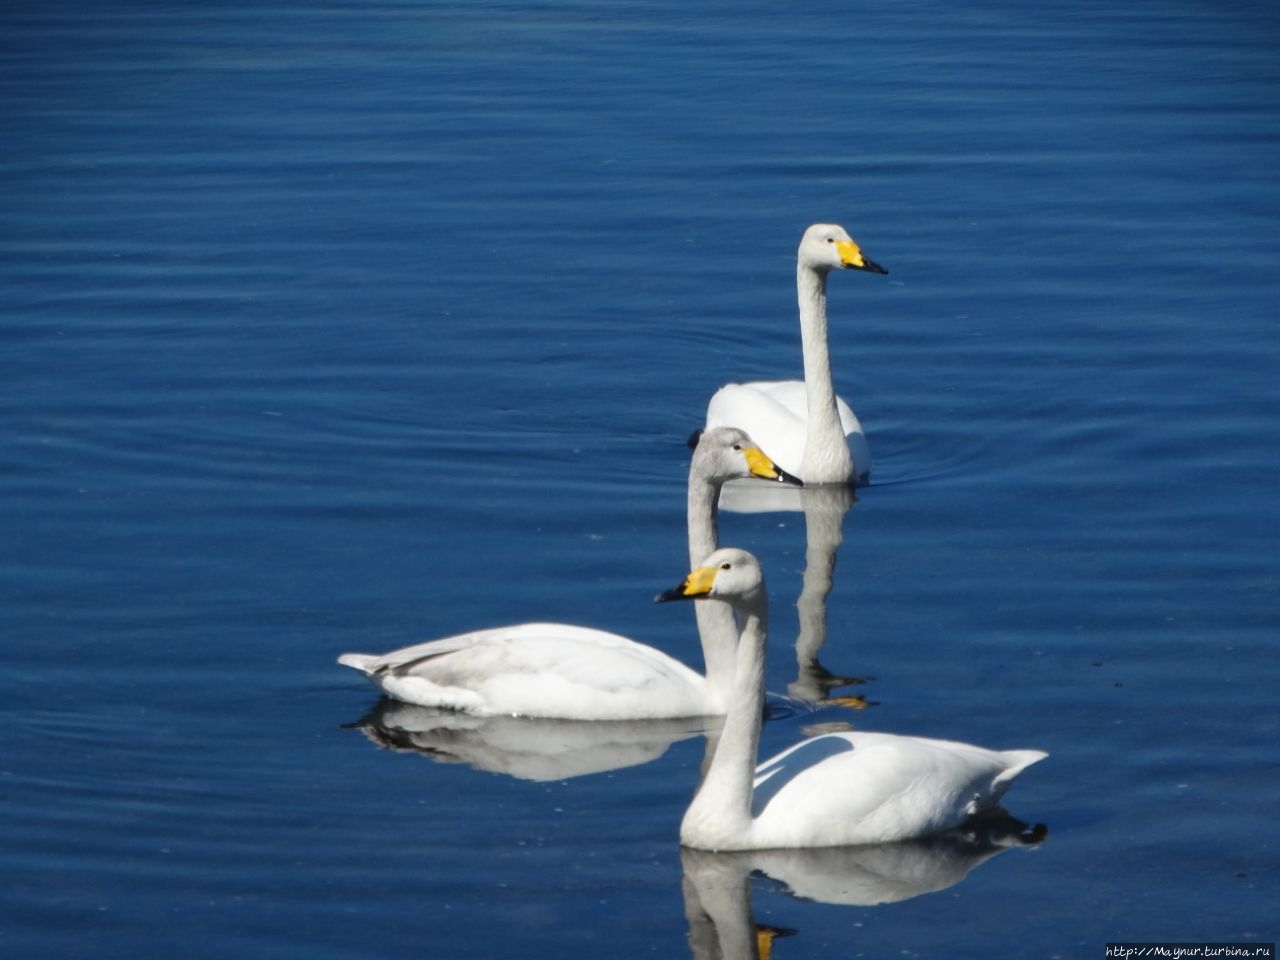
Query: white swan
x,y
806,428
578,673
840,789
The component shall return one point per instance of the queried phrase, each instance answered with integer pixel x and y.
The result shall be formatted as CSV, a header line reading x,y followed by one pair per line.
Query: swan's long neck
x,y
720,815
704,533
826,453
716,628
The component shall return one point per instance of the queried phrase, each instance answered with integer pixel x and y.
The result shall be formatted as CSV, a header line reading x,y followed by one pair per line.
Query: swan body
x,y
807,429
539,670
777,409
579,673
890,787
834,790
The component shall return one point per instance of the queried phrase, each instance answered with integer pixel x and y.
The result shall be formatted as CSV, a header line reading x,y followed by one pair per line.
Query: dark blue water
x,y
336,327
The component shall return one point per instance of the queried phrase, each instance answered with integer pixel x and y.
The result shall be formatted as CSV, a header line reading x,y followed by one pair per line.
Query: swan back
x,y
862,787
540,670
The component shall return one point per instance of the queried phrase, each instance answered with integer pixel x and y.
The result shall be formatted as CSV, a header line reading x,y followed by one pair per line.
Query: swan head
x,y
727,453
729,574
827,246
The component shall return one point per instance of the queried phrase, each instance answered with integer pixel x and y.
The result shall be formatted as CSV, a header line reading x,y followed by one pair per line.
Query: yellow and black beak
x,y
764,468
851,258
696,584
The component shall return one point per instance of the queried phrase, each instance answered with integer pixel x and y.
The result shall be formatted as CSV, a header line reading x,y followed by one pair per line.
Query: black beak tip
x,y
784,477
675,593
872,267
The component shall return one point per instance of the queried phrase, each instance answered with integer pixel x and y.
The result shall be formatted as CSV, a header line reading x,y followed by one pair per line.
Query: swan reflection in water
x,y
717,886
526,748
824,509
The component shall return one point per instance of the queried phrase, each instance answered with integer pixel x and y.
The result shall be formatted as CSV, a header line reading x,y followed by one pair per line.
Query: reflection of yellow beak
x,y
852,258
765,935
764,468
696,584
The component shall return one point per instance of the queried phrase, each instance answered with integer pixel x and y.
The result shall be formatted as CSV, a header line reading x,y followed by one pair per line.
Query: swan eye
x,y
726,566
738,447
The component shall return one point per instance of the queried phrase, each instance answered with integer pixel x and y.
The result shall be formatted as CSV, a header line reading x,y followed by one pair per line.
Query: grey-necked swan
x,y
579,673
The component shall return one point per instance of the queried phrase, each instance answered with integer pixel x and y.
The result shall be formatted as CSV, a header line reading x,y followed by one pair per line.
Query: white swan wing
x,y
778,429
855,788
791,395
775,412
541,670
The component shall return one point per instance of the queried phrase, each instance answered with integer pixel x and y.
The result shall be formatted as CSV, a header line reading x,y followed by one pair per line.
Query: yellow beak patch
x,y
850,254
699,582
759,464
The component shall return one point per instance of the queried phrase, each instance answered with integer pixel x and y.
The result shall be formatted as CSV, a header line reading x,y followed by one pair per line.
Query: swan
x,y
807,429
578,673
840,789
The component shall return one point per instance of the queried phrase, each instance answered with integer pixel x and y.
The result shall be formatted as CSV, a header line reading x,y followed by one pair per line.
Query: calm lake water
x,y
336,327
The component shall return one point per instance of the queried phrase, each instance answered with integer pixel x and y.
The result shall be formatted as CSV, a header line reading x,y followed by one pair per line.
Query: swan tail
x,y
364,662
1017,761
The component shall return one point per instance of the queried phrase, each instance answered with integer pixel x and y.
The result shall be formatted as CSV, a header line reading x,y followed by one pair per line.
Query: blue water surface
x,y
337,326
